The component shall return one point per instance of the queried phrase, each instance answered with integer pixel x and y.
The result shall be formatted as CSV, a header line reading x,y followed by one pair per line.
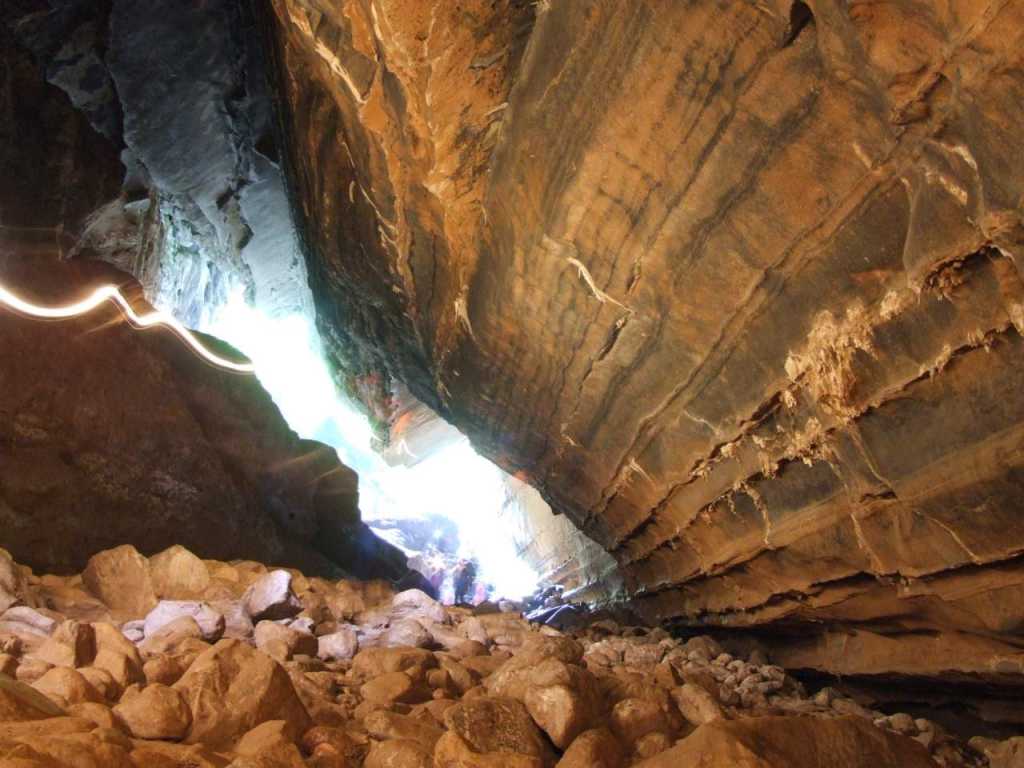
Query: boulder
x,y
283,642
20,702
495,725
65,686
22,619
383,726
417,604
231,688
632,719
398,753
103,681
164,669
237,623
394,687
171,636
795,742
273,744
271,597
178,574
99,714
12,587
211,622
154,712
121,578
371,662
407,632
696,704
72,644
596,748
340,645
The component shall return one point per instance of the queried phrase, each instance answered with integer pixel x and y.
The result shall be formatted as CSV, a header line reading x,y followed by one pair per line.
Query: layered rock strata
x,y
736,287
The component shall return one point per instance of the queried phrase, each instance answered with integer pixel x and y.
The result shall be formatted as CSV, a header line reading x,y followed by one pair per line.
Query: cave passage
x,y
446,506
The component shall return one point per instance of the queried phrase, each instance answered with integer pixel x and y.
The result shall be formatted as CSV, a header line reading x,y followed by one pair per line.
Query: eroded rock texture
x,y
109,434
735,285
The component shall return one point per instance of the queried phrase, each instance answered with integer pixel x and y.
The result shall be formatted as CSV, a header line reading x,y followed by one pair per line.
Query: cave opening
x,y
441,503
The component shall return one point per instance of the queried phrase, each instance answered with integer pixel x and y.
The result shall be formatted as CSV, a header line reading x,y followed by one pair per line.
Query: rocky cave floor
x,y
177,661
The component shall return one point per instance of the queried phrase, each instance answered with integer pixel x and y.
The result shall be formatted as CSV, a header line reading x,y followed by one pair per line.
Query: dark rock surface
x,y
109,434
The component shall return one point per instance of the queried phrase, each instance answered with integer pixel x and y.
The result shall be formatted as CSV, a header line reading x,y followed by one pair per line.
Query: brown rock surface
x,y
231,688
758,263
847,742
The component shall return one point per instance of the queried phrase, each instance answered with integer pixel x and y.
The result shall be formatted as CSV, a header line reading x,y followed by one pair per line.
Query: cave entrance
x,y
437,499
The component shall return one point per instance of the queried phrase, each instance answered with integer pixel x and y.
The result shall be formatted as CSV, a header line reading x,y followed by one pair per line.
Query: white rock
x,y
271,597
210,622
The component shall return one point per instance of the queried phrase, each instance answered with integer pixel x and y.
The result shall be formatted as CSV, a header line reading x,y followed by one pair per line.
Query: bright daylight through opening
x,y
418,508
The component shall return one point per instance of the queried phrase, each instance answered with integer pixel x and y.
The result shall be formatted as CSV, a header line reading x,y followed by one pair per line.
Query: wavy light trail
x,y
148,320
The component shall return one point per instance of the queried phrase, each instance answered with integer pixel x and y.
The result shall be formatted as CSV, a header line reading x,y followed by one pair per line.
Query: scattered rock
x,y
211,623
340,645
120,577
154,712
271,597
178,574
231,688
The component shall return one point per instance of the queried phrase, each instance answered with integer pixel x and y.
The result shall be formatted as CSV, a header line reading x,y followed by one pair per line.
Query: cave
x,y
571,383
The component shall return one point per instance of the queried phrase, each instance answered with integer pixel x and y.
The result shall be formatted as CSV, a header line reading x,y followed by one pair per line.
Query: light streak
x,y
113,293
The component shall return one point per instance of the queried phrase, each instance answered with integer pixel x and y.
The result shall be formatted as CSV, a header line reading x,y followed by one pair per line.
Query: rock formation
x,y
85,682
112,434
736,287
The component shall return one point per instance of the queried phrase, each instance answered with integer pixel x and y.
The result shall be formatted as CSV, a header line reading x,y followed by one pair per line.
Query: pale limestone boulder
x,y
211,622
417,604
696,704
340,645
407,632
271,597
121,578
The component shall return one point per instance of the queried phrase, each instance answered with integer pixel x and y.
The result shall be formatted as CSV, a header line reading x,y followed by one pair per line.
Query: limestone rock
x,y
407,632
340,645
696,704
845,742
65,686
398,753
211,622
178,574
232,688
417,604
154,712
595,748
120,577
496,726
271,597
282,642
20,702
72,644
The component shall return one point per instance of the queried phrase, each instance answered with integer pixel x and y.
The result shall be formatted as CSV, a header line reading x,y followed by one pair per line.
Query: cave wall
x,y
736,286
